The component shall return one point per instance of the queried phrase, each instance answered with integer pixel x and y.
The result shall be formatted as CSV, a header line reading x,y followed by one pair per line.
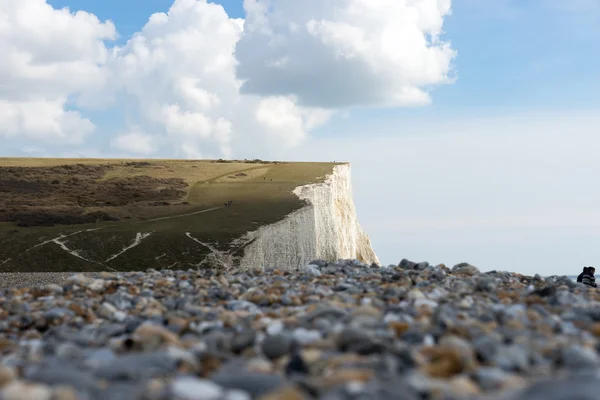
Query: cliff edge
x,y
132,215
326,228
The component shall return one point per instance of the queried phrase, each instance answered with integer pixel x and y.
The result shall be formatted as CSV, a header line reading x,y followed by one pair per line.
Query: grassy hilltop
x,y
98,214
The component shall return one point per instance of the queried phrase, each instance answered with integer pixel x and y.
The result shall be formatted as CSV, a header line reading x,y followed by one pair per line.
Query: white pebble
x,y
236,394
275,328
119,316
466,303
355,387
97,285
415,294
428,340
425,303
54,288
306,336
196,389
313,269
25,391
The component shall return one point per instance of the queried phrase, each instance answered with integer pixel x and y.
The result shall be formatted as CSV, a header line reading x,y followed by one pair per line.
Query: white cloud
x,y
43,120
177,77
285,122
337,53
179,72
48,56
135,142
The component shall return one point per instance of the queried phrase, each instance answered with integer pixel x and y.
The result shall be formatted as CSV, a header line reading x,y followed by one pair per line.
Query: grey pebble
x,y
242,334
275,346
254,384
137,366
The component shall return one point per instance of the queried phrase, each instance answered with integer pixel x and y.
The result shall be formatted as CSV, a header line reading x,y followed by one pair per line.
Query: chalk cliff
x,y
326,228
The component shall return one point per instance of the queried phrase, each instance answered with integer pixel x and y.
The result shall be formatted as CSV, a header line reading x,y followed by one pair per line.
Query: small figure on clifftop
x,y
587,276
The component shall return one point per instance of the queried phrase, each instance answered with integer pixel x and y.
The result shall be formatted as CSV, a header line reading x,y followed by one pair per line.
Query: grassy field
x,y
98,214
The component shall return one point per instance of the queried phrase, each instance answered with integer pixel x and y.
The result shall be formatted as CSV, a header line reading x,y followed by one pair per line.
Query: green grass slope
x,y
99,214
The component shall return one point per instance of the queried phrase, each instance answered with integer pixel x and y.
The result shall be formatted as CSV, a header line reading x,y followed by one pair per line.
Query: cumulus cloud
x,y
338,53
179,71
44,120
48,57
206,85
135,142
283,120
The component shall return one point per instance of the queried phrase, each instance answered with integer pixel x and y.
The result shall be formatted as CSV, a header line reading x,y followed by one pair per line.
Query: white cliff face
x,y
326,229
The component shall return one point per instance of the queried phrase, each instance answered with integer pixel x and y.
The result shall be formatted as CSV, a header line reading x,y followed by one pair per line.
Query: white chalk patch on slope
x,y
208,246
139,237
61,236
216,255
75,253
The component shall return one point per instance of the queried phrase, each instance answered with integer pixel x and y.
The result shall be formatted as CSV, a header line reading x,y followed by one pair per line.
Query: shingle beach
x,y
331,331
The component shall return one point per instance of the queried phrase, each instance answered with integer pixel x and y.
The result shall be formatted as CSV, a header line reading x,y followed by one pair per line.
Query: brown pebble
x,y
286,393
64,393
7,375
343,376
366,310
462,385
77,309
31,334
249,352
399,327
595,330
151,337
445,362
260,365
179,322
6,345
209,364
515,324
18,390
311,355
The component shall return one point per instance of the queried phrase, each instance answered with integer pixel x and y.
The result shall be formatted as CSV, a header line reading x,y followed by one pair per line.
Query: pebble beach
x,y
334,331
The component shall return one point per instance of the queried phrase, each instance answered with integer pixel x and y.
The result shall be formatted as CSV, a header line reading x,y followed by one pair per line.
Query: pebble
x,y
25,391
7,375
494,379
64,393
337,331
188,388
255,384
306,336
275,346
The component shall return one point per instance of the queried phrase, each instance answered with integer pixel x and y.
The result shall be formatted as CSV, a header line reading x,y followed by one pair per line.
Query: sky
x,y
472,126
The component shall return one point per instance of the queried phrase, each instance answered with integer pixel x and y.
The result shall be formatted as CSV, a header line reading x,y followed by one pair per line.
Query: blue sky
x,y
512,55
498,170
